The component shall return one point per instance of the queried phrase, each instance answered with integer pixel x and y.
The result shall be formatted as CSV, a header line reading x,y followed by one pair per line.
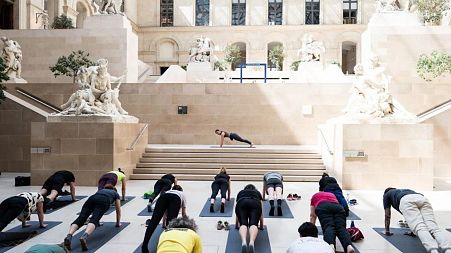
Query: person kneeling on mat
x,y
47,248
330,184
180,237
21,207
112,178
53,186
273,186
231,136
97,205
332,218
161,186
248,212
419,215
168,205
222,182
309,241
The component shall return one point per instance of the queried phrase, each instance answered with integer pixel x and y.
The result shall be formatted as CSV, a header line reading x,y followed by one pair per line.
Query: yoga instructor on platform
x,y
231,136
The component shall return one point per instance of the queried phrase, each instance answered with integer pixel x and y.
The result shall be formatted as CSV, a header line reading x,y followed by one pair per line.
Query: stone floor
x,y
281,231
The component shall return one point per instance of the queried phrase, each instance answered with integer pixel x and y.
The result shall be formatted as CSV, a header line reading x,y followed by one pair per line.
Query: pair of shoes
x,y
68,242
296,196
403,224
84,243
353,202
223,225
293,196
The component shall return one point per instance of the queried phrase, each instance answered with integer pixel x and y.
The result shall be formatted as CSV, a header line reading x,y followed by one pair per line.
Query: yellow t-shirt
x,y
120,176
179,240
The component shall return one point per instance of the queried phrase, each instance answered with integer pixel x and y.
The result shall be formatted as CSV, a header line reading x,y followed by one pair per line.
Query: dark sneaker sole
x,y
84,244
251,249
67,243
244,249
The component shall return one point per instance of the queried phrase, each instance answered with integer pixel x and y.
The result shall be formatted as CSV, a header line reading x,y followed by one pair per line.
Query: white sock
x,y
434,251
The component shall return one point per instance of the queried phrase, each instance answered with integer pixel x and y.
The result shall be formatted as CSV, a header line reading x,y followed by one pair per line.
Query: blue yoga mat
x,y
99,237
449,229
57,205
153,243
353,216
34,227
285,210
262,243
404,243
144,212
228,208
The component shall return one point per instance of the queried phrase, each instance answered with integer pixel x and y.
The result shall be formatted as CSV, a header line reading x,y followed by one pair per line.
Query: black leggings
x,y
333,223
248,211
217,185
10,208
97,205
169,203
234,136
161,186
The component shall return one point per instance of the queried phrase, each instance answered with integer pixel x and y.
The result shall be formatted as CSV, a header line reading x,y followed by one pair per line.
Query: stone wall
x,y
87,149
442,144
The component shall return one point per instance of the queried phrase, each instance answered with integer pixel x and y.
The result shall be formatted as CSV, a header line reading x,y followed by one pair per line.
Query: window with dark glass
x,y
166,12
275,12
312,12
238,12
350,11
202,12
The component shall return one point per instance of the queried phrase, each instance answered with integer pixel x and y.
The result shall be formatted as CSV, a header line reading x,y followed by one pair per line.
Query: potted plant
x,y
432,11
232,56
276,57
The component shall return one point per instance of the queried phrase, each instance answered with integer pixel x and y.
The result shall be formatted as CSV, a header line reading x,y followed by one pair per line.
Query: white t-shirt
x,y
310,245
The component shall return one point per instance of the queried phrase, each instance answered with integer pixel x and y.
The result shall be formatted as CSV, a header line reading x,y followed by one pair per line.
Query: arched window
x,y
348,57
350,11
166,12
238,12
275,8
242,47
312,12
202,12
275,49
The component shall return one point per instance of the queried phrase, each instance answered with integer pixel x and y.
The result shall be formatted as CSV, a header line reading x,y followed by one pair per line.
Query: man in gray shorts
x,y
273,186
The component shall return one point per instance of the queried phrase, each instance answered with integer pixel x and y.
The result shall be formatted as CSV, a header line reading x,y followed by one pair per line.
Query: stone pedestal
x,y
394,18
16,80
377,156
199,72
87,148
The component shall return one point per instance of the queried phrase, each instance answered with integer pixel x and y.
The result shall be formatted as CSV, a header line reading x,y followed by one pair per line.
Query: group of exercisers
x,y
168,199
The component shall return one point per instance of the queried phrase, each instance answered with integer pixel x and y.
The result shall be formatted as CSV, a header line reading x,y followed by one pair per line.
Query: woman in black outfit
x,y
330,184
161,186
231,136
53,186
222,182
168,205
248,213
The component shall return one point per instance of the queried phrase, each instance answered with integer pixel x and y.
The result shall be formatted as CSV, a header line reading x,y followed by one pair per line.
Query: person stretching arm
x,y
117,204
72,190
40,210
222,139
312,215
387,221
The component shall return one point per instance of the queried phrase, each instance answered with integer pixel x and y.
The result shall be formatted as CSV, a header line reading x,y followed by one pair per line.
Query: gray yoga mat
x,y
58,204
153,243
285,210
262,243
320,232
34,227
144,212
353,216
99,237
228,210
233,146
449,230
113,208
404,243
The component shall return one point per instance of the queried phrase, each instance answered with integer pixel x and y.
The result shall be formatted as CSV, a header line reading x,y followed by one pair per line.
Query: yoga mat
x,y
353,216
262,243
99,237
449,229
320,232
56,205
285,210
153,243
34,227
233,146
144,212
404,243
113,208
228,210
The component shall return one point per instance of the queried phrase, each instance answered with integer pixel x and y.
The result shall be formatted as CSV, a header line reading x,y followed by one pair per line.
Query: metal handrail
x,y
38,100
132,146
325,141
434,108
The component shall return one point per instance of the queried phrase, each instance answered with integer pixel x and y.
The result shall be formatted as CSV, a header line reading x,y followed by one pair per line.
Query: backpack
x,y
355,233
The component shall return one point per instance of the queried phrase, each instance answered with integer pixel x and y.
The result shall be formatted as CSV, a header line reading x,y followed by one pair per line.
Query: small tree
x,y
295,65
432,10
232,55
68,66
276,57
3,77
62,22
434,65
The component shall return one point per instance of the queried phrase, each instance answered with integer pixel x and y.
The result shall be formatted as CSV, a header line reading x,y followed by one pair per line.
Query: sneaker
x,y
149,207
251,248
290,197
244,248
212,209
68,242
219,226
84,244
296,197
226,226
222,207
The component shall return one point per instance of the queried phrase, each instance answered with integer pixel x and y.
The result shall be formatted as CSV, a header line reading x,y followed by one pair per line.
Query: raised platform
x,y
202,162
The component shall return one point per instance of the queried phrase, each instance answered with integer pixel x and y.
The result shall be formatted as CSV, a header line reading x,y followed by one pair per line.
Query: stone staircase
x,y
201,162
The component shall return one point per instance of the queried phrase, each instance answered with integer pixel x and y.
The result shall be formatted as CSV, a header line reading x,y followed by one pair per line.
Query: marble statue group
x,y
95,94
201,50
311,50
105,7
11,53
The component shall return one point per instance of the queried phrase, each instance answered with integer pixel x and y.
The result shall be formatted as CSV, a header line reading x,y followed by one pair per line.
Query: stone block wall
x,y
87,149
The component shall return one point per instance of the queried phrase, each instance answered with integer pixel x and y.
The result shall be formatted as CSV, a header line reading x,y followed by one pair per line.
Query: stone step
x,y
213,172
197,177
228,160
230,155
233,149
231,166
